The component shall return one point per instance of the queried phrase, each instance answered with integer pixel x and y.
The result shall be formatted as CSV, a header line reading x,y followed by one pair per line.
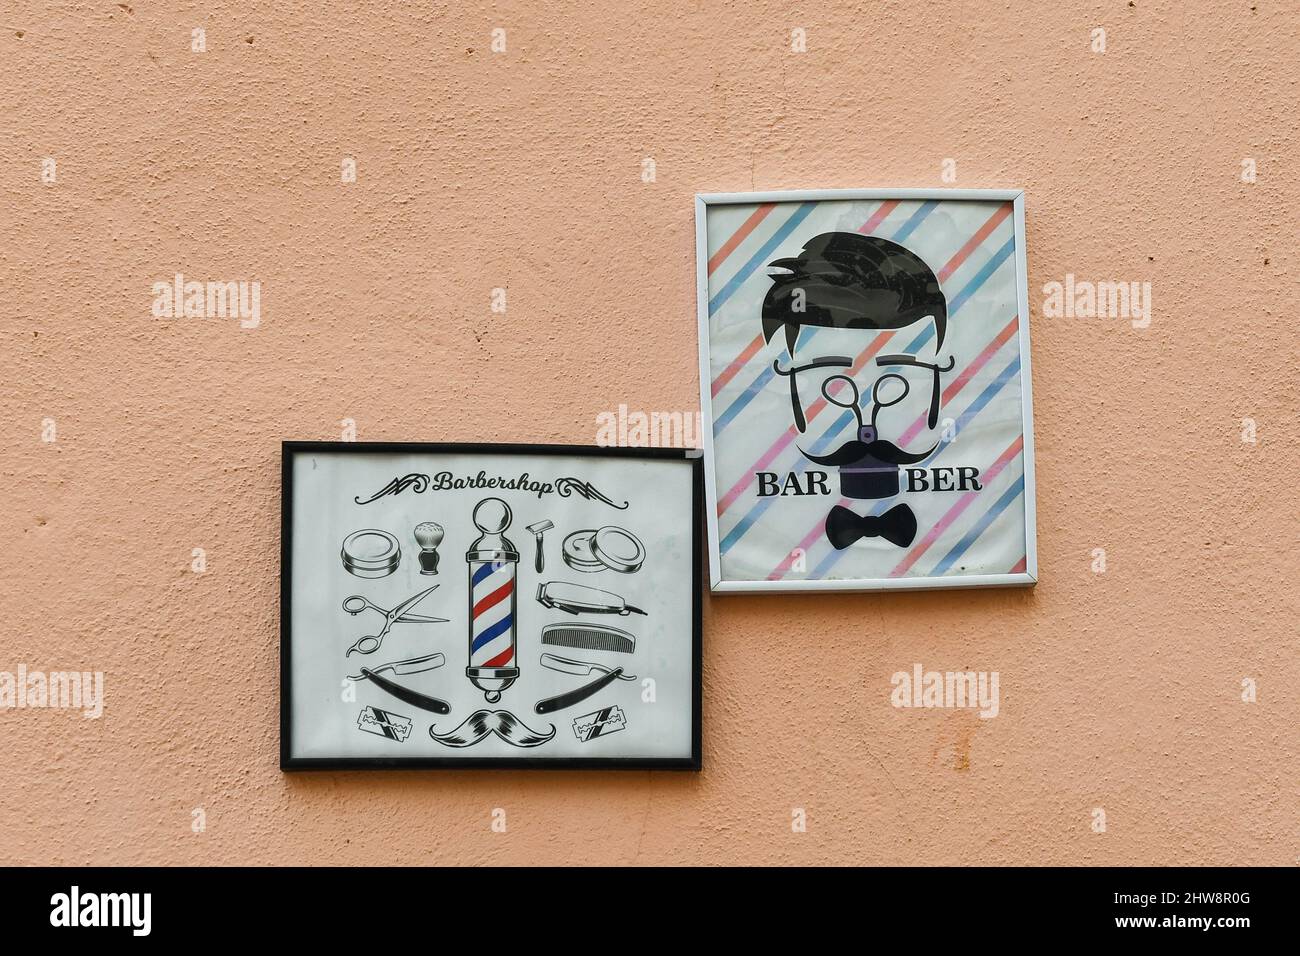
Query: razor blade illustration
x,y
384,724
605,721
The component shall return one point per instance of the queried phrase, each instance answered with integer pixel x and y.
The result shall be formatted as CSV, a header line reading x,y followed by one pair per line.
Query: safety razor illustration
x,y
539,528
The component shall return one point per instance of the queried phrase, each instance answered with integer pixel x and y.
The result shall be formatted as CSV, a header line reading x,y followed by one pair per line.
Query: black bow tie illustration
x,y
897,526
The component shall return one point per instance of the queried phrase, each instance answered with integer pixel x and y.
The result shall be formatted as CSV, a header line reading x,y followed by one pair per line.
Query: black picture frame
x,y
289,763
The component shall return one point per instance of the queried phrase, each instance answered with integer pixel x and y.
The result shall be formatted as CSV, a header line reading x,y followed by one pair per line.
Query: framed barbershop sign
x,y
865,389
490,606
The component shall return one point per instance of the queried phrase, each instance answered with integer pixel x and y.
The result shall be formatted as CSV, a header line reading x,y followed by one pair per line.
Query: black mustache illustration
x,y
483,723
854,451
897,526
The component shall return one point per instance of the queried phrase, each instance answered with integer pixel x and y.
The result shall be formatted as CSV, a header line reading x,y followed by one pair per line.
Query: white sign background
x,y
659,512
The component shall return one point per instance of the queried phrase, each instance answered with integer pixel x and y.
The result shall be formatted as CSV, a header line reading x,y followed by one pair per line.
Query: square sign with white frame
x,y
865,389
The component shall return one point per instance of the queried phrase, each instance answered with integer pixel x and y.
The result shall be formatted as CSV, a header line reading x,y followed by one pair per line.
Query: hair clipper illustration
x,y
580,599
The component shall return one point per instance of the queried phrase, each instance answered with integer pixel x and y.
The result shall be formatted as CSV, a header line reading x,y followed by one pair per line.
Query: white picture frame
x,y
893,212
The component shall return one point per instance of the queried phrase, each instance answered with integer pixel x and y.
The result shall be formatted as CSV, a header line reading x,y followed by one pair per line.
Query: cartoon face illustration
x,y
845,280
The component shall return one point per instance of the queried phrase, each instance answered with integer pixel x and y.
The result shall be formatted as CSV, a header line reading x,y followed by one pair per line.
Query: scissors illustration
x,y
853,402
370,642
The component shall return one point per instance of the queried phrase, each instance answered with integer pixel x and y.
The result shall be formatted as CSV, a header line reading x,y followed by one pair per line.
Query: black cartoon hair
x,y
852,281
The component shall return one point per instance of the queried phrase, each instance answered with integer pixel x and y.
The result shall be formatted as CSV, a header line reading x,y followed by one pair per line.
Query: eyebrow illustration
x,y
796,405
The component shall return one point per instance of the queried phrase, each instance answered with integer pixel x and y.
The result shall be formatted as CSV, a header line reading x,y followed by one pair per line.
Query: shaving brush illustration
x,y
428,535
492,560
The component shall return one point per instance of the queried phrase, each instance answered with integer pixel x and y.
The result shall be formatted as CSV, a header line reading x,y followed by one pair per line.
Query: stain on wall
x,y
522,170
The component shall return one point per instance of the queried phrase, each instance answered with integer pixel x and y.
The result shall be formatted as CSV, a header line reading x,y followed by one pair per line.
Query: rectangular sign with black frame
x,y
490,606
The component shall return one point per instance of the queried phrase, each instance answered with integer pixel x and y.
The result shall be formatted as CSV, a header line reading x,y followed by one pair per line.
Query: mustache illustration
x,y
483,723
881,449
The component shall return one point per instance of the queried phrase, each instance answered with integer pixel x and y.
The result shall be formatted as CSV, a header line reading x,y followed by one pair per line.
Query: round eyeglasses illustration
x,y
845,280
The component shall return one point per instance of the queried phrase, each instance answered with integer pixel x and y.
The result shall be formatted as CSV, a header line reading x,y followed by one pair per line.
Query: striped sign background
x,y
970,245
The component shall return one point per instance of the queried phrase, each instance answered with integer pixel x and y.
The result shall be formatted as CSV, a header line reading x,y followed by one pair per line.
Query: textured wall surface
x,y
522,170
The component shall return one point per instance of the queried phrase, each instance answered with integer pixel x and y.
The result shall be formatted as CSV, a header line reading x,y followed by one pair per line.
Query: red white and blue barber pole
x,y
493,561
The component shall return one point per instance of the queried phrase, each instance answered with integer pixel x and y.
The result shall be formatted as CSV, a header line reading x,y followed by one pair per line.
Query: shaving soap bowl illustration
x,y
370,553
608,548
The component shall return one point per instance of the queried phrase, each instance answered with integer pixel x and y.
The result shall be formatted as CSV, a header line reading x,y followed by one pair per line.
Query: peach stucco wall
x,y
522,170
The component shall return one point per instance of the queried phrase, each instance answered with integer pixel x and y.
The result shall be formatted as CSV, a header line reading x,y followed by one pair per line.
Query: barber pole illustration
x,y
493,561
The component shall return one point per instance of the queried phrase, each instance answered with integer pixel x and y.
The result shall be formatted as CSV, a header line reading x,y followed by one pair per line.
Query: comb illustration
x,y
589,637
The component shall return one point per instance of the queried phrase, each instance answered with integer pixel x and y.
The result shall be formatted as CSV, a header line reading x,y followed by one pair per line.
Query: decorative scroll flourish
x,y
397,486
567,486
